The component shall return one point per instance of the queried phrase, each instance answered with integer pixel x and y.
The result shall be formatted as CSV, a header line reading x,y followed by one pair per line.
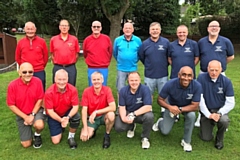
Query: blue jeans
x,y
154,83
121,80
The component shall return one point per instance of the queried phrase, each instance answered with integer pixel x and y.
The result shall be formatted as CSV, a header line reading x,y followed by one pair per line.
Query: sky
x,y
181,1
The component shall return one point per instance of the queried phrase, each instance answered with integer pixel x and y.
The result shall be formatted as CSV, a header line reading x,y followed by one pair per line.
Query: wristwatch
x,y
180,108
33,114
219,113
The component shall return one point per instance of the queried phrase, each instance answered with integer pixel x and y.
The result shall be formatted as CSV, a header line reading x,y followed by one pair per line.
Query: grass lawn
x,y
162,147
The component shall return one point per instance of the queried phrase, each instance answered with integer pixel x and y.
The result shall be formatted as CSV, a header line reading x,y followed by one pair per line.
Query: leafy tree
x,y
7,14
164,11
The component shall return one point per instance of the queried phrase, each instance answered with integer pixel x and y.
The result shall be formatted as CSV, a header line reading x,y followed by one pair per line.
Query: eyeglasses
x,y
214,26
96,26
64,25
25,72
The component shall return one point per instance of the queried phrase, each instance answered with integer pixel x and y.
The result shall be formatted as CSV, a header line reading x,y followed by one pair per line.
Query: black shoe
x,y
219,145
37,142
106,142
72,143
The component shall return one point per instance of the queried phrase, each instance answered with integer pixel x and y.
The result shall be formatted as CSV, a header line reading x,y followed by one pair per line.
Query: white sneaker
x,y
145,143
187,147
177,118
197,123
130,133
155,126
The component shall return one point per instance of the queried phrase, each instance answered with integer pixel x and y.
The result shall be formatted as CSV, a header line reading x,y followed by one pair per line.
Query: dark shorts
x,y
98,121
25,131
55,126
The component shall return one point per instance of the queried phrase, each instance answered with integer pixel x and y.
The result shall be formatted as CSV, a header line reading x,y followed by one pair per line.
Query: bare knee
x,y
110,116
39,125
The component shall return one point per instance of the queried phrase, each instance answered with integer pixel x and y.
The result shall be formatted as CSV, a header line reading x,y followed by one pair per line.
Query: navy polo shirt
x,y
182,56
133,102
179,96
220,50
215,93
154,57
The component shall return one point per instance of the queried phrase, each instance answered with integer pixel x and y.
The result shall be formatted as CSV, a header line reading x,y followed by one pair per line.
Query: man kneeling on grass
x,y
61,102
135,106
98,108
24,98
179,96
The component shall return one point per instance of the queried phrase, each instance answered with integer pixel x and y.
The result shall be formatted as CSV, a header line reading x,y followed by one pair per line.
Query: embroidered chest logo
x,y
139,100
187,49
160,47
220,90
218,48
69,44
189,96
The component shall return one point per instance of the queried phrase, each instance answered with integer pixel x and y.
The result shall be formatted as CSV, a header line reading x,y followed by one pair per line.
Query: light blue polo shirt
x,y
126,53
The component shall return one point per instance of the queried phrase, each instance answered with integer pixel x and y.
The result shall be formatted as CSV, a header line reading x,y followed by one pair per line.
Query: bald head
x,y
25,72
186,69
214,69
25,66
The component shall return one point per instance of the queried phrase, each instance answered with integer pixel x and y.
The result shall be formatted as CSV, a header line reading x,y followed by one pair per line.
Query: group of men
x,y
212,92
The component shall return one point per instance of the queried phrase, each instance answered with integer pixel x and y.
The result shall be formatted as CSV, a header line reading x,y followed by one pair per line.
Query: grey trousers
x,y
207,125
146,120
165,126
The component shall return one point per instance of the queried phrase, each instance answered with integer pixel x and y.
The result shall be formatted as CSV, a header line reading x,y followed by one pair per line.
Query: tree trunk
x,y
115,20
115,27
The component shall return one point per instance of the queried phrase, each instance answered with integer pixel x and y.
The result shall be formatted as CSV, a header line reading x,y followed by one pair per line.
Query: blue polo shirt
x,y
215,93
153,55
220,50
179,96
126,53
182,56
133,102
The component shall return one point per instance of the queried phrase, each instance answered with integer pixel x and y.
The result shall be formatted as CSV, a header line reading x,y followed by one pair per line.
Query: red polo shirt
x,y
33,51
97,51
24,96
64,52
95,102
61,102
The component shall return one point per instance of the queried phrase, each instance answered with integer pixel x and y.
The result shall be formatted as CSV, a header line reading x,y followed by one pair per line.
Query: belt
x,y
65,65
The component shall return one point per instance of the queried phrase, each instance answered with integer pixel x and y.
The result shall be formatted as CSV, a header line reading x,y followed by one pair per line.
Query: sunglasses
x,y
96,26
25,72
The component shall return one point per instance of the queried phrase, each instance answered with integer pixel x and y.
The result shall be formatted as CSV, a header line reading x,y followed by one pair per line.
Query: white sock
x,y
37,134
71,135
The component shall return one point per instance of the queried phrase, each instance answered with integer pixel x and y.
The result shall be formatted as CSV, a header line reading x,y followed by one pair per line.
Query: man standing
x,y
24,98
33,49
125,51
64,49
153,54
135,106
182,52
97,51
61,103
216,102
214,47
179,96
98,109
